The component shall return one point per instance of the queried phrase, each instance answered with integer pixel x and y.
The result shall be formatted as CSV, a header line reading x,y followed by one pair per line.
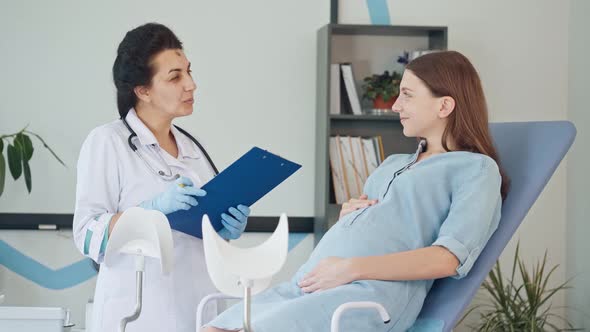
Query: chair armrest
x,y
207,299
357,305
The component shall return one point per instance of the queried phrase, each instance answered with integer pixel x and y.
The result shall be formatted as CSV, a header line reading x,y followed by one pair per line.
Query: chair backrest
x,y
529,153
147,231
227,264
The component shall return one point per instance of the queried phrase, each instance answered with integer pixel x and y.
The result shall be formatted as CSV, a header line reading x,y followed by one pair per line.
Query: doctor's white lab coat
x,y
112,178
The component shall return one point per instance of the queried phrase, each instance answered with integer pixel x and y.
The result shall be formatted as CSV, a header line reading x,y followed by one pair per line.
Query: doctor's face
x,y
172,87
418,108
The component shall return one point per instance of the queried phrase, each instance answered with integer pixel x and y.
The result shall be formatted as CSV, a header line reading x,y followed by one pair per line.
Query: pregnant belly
x,y
362,240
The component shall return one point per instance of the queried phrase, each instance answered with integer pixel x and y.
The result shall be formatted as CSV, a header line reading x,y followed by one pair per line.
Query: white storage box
x,y
32,319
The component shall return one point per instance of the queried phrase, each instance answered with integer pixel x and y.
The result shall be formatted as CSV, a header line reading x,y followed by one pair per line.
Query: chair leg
x,y
205,301
247,308
357,305
247,284
140,266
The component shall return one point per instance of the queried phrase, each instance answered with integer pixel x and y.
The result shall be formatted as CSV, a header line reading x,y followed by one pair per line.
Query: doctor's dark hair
x,y
450,73
132,67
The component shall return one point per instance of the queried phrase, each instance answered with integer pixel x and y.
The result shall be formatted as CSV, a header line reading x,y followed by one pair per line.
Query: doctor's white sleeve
x,y
97,193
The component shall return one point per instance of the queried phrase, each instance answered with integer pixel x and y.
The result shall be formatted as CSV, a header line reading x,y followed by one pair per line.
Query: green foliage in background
x,y
524,306
19,151
385,85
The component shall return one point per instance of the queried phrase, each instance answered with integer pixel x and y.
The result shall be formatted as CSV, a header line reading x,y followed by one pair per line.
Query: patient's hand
x,y
329,273
354,204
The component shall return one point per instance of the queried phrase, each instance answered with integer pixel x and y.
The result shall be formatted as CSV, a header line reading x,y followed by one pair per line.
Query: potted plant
x,y
382,89
520,306
18,153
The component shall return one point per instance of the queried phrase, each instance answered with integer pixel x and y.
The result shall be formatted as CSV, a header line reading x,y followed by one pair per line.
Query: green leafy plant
x,y
524,306
385,85
19,152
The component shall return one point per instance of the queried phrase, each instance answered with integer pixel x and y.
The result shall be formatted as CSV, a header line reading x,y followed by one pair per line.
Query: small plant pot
x,y
379,103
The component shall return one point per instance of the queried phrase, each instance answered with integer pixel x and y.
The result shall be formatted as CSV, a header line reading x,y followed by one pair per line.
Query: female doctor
x,y
143,160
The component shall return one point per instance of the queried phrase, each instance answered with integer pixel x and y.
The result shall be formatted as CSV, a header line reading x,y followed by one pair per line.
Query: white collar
x,y
186,147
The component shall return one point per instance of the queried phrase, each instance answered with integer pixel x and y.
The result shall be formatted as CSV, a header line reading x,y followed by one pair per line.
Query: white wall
x,y
578,180
253,62
520,49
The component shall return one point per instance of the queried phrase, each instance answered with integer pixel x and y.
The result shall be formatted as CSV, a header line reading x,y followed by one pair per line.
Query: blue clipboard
x,y
245,181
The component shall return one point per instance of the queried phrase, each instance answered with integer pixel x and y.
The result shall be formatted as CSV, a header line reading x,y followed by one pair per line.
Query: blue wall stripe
x,y
379,12
40,274
70,275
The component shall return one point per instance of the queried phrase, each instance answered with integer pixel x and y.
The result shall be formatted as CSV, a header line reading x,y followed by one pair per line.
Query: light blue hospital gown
x,y
450,199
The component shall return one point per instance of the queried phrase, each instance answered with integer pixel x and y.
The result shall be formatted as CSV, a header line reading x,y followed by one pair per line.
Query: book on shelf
x,y
343,94
352,160
350,173
335,88
350,102
340,190
359,161
379,147
371,156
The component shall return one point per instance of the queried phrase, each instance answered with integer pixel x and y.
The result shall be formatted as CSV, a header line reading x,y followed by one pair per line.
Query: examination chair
x,y
529,152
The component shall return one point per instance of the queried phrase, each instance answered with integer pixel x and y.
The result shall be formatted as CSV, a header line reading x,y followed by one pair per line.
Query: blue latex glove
x,y
234,225
178,196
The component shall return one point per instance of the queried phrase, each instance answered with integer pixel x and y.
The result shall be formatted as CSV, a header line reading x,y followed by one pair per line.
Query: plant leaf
x,y
26,145
515,259
1,145
27,172
2,171
14,161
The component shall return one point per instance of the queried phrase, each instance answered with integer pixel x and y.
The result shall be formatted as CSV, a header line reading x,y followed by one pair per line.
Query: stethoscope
x,y
167,176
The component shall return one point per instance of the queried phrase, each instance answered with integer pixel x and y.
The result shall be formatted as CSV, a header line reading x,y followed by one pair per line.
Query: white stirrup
x,y
141,233
243,272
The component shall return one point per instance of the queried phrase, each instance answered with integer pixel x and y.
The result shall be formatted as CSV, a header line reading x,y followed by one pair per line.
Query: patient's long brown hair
x,y
450,73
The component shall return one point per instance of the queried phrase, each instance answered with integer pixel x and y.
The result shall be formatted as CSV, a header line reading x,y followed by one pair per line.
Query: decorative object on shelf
x,y
523,305
382,89
404,59
19,152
